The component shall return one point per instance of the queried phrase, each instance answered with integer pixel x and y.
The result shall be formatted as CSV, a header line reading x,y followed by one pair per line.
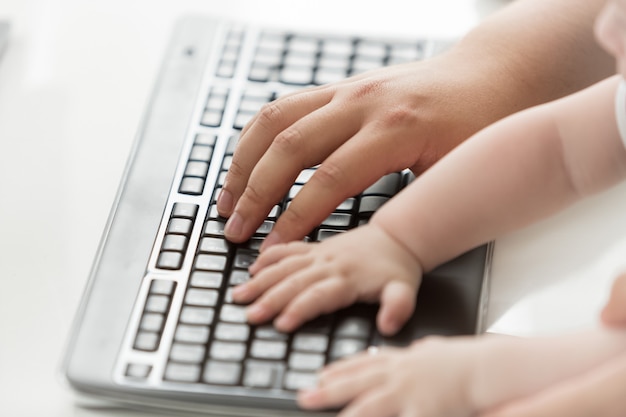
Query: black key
x,y
387,185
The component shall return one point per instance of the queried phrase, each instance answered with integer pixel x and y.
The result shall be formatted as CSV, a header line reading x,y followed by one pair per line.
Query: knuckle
x,y
270,114
288,141
236,170
367,88
254,195
400,115
328,175
293,218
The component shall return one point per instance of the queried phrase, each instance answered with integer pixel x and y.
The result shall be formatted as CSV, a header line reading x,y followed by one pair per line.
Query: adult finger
x,y
354,166
598,393
258,135
303,144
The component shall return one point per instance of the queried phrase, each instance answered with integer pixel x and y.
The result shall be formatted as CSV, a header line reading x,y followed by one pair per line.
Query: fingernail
x,y
240,292
284,323
252,269
256,312
308,396
234,225
271,239
225,202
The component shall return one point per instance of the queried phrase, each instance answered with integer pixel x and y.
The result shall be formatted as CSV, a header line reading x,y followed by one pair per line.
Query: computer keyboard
x,y
198,336
157,328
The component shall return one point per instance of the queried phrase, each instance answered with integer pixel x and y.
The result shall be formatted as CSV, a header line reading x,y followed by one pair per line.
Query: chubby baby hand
x,y
297,281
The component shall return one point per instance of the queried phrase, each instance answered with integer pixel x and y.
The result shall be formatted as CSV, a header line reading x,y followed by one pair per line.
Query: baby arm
x,y
516,171
457,376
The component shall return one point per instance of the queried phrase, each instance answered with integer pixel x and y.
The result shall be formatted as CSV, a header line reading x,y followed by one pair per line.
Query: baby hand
x,y
431,378
298,281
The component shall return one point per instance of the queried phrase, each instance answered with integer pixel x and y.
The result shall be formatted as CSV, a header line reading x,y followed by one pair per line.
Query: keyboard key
x,y
295,380
213,245
192,334
201,153
206,279
265,228
187,353
270,332
223,373
161,286
310,342
210,262
233,313
169,260
346,347
370,203
138,371
228,351
152,322
191,186
296,75
324,234
177,243
239,276
337,47
157,304
306,361
389,185
205,139
262,374
214,228
147,341
185,210
179,226
355,327
197,315
232,332
197,169
338,220
182,372
244,258
201,297
268,349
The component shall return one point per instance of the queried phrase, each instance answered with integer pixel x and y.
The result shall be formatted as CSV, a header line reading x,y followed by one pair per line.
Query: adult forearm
x,y
531,52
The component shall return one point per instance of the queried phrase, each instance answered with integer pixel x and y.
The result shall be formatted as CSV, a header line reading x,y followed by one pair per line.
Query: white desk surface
x,y
73,84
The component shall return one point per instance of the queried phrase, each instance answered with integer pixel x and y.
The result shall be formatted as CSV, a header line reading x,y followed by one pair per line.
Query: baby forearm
x,y
519,170
509,368
504,177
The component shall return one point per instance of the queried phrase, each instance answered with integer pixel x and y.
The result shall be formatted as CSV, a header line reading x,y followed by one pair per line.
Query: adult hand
x,y
407,116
